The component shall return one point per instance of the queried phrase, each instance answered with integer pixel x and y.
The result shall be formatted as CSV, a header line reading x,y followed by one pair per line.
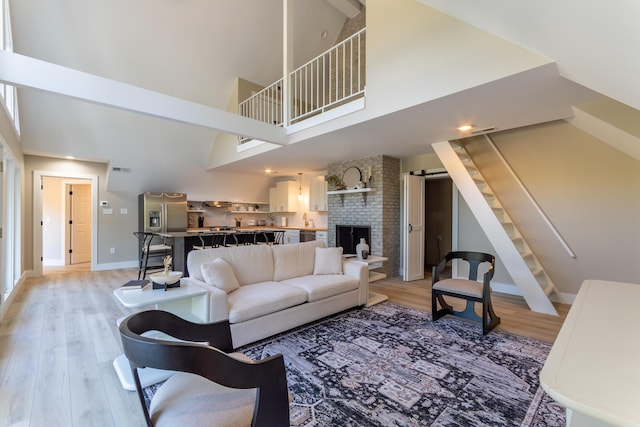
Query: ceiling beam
x,y
24,71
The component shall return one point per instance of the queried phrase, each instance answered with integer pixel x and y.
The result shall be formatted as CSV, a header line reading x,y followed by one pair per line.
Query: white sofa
x,y
266,289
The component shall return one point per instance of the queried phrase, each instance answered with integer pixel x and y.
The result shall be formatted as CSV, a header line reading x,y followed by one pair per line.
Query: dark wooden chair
x,y
151,253
212,386
469,289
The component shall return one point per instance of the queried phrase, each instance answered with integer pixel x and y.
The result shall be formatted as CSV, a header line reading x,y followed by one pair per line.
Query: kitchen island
x,y
184,241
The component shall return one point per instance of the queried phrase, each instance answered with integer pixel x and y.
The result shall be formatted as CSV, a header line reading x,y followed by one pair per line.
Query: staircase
x,y
520,262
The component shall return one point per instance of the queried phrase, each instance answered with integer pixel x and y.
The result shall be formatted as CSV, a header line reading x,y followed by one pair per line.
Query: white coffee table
x,y
189,301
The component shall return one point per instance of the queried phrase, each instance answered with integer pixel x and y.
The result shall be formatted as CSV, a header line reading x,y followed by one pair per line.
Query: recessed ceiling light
x,y
269,171
465,128
69,157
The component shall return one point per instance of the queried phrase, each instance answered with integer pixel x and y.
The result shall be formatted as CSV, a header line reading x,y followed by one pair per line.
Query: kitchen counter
x,y
268,227
191,231
183,241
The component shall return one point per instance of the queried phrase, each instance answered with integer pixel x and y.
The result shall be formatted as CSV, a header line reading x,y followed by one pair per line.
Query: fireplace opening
x,y
348,236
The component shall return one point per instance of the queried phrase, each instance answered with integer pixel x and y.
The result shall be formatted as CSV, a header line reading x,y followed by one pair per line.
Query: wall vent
x,y
119,169
485,130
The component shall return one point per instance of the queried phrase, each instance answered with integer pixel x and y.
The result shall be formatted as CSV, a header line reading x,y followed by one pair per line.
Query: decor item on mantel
x,y
361,248
352,177
336,182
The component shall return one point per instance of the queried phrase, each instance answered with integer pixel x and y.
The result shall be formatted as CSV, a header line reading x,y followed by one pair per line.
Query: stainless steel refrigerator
x,y
162,212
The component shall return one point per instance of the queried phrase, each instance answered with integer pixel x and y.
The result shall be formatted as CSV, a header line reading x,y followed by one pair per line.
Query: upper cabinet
x,y
318,194
284,197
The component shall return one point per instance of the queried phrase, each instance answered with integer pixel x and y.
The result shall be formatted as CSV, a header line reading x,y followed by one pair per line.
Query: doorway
x,y
438,199
53,208
435,210
66,229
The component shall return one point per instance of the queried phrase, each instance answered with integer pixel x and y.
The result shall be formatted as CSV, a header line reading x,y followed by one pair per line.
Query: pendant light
x,y
299,185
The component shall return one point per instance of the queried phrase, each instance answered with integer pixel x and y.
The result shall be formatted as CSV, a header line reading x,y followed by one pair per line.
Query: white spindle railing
x,y
265,106
335,77
331,79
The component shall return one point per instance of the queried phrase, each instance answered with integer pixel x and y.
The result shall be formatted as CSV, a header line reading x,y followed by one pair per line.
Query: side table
x,y
189,301
373,262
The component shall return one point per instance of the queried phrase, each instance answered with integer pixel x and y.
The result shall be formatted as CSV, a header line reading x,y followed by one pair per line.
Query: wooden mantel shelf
x,y
362,191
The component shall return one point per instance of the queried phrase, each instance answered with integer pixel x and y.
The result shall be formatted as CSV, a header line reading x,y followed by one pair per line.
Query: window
x,y
8,92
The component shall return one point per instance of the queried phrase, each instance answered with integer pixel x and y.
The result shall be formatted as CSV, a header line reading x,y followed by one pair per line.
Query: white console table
x,y
189,301
593,368
372,263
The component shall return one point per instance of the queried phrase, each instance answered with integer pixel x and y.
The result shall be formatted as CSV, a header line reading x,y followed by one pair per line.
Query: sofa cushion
x,y
328,261
220,274
294,260
319,287
250,264
259,299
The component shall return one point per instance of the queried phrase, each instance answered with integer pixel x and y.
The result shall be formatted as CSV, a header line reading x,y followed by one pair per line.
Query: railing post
x,y
287,59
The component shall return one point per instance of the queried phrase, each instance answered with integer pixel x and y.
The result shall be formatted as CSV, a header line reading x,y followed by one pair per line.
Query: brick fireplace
x,y
348,236
379,210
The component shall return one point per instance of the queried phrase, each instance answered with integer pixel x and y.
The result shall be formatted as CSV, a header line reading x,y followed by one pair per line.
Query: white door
x,y
80,223
413,228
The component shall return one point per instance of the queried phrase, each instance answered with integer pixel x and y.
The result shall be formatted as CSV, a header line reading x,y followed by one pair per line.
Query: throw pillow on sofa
x,y
220,274
328,261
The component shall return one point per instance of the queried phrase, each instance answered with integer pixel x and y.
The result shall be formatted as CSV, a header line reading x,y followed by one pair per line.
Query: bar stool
x,y
244,238
148,251
275,237
215,240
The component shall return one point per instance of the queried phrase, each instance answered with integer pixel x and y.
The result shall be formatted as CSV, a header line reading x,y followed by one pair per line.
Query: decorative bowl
x,y
170,278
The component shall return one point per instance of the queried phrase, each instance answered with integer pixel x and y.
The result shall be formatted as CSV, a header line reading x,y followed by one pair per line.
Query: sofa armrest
x,y
218,308
359,271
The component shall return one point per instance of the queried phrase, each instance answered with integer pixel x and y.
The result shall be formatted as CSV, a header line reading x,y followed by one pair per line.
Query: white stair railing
x,y
512,249
535,205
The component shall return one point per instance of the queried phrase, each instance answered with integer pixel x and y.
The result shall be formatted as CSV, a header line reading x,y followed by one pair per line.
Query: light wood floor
x,y
59,339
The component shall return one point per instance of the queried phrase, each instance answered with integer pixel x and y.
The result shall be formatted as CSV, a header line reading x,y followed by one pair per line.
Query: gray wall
x,y
587,189
114,231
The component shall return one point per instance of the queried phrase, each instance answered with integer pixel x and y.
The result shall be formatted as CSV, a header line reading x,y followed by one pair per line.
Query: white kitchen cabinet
x,y
285,196
273,199
318,194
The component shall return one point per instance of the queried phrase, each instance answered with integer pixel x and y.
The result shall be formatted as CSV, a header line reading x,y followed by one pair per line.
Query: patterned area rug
x,y
389,365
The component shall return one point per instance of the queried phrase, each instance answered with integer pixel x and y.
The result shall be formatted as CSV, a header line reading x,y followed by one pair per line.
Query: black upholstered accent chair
x,y
469,289
212,386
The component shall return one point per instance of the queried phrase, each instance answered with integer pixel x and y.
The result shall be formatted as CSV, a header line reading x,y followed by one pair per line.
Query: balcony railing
x,y
265,106
333,78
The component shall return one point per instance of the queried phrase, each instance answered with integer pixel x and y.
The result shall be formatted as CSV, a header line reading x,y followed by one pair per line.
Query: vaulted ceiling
x,y
195,50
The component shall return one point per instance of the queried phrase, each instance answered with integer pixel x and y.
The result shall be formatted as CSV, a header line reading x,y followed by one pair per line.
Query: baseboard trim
x,y
6,304
115,265
511,289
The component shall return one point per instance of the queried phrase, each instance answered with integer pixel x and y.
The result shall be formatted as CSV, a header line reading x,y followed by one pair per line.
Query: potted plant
x,y
336,182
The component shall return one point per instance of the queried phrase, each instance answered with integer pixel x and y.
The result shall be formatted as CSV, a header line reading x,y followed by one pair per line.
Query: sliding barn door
x,y
413,228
